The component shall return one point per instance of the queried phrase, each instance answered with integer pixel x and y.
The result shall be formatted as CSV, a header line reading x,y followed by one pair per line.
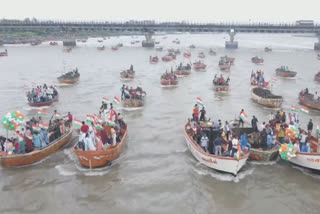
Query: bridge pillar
x,y
231,44
317,44
149,42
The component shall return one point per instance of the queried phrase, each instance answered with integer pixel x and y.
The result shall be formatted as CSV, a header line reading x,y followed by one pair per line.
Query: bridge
x,y
151,26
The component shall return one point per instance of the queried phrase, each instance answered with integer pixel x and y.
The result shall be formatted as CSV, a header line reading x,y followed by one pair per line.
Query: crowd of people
x,y
42,94
183,67
287,131
213,136
27,138
92,139
220,80
257,78
169,76
132,93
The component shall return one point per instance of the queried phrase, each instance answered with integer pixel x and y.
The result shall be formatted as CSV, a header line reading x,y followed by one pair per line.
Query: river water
x,y
156,173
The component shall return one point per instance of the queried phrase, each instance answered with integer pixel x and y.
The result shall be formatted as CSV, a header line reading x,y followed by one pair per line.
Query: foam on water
x,y
223,176
306,171
265,163
132,109
64,171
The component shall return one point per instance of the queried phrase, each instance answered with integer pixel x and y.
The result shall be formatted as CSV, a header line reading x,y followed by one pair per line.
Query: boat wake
x,y
264,163
132,109
307,172
202,170
169,86
64,84
29,108
62,169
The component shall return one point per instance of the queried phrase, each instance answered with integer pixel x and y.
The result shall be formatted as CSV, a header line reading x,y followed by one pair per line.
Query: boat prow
x,y
99,158
220,163
15,160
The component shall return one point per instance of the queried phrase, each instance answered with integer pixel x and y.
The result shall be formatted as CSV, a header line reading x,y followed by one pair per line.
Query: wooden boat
x,y
114,48
192,46
176,52
187,54
132,42
285,72
225,67
84,41
132,103
318,56
100,158
127,74
199,66
153,59
257,60
220,163
309,100
53,43
255,83
159,48
68,79
256,152
15,160
267,49
229,60
101,48
266,98
34,43
48,103
67,50
119,45
100,40
317,77
220,88
5,53
201,55
168,58
183,71
169,82
212,52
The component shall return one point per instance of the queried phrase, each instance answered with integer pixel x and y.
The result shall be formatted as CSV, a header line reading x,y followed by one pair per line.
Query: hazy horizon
x,y
200,11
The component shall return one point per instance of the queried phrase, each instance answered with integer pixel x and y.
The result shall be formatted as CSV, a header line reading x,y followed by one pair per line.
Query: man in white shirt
x,y
204,142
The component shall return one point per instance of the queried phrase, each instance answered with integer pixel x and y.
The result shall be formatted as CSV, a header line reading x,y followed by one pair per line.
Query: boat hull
x,y
95,159
221,88
289,74
271,103
132,103
309,103
68,81
317,78
308,160
44,103
220,163
182,72
36,155
169,82
268,155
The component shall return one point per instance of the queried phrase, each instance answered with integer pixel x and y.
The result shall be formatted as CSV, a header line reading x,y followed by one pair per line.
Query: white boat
x,y
220,163
309,160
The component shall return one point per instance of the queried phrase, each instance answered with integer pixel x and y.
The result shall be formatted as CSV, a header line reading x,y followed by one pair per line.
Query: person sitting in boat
x,y
244,142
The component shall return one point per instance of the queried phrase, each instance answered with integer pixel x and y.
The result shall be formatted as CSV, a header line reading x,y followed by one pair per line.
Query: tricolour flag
x,y
111,123
199,101
105,100
77,123
98,119
42,112
116,100
28,135
304,110
295,109
90,118
274,79
57,116
36,128
98,126
244,116
43,125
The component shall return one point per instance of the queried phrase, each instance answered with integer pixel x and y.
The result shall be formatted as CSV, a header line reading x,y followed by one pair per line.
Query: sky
x,y
252,11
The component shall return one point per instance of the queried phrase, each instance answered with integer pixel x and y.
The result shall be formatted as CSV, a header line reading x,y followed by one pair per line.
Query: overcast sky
x,y
164,10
